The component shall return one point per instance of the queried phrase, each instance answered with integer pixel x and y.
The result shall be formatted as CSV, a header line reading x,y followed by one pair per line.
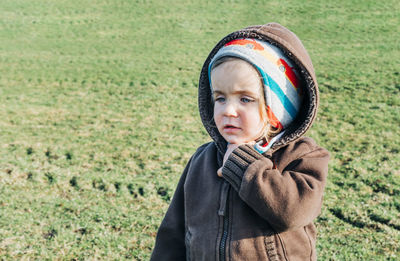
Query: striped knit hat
x,y
282,88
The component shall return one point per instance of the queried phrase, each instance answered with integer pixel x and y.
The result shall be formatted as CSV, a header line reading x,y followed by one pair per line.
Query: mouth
x,y
229,128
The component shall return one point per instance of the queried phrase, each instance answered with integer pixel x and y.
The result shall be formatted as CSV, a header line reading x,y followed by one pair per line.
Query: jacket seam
x,y
309,241
283,247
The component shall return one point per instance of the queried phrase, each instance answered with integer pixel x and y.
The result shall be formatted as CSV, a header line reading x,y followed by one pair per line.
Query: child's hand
x,y
229,149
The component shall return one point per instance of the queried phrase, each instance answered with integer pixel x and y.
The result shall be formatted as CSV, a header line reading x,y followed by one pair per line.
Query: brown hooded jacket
x,y
264,206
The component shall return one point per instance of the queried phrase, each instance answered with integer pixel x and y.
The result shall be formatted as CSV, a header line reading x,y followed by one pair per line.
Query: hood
x,y
291,45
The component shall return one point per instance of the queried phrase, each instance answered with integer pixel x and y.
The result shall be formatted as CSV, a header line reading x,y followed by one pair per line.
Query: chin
x,y
238,140
235,141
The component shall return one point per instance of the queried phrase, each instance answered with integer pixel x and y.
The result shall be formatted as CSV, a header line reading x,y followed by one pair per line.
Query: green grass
x,y
98,116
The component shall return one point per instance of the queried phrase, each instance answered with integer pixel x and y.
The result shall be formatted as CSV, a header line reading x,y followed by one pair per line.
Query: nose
x,y
230,110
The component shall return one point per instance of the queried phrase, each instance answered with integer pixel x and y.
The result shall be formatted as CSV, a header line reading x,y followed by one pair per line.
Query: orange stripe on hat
x,y
256,46
273,120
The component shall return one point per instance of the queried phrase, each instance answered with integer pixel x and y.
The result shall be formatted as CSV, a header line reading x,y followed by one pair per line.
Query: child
x,y
252,193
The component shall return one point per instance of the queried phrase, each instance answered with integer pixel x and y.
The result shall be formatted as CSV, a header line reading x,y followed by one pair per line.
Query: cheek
x,y
254,121
217,115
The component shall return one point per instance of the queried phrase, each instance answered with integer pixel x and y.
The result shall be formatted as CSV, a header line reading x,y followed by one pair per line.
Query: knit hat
x,y
282,85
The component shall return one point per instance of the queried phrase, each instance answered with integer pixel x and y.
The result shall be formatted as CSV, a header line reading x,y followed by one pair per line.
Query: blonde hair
x,y
268,131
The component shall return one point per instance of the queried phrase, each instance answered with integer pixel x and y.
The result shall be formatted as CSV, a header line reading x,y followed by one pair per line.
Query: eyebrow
x,y
216,92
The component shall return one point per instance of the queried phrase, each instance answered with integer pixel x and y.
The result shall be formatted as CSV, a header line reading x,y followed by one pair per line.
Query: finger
x,y
232,147
219,172
229,149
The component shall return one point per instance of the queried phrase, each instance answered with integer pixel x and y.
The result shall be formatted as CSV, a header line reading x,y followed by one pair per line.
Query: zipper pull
x,y
223,199
262,148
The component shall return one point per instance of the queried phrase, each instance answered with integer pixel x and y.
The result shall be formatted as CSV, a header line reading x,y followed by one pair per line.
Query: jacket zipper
x,y
224,211
222,246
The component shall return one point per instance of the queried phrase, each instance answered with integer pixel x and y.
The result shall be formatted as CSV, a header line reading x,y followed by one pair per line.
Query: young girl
x,y
252,193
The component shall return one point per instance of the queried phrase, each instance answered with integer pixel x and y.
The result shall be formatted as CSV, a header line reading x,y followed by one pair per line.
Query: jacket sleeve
x,y
170,240
287,198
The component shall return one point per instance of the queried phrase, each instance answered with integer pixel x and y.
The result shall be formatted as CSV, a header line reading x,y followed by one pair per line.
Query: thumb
x,y
219,172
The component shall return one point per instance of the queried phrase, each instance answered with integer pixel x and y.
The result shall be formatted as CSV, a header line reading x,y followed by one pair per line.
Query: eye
x,y
219,99
246,99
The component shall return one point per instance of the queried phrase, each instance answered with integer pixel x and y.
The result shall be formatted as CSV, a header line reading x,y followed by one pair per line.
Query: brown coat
x,y
264,206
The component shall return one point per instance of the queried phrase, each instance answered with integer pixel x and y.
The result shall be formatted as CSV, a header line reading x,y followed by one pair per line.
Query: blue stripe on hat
x,y
287,104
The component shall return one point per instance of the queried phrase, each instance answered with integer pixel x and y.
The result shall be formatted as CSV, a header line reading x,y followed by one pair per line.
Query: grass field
x,y
98,116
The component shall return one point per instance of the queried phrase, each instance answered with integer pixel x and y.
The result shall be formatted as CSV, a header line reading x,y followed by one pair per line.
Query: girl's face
x,y
237,94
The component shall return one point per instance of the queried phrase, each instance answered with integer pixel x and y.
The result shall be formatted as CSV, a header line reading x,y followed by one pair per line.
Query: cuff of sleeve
x,y
237,163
